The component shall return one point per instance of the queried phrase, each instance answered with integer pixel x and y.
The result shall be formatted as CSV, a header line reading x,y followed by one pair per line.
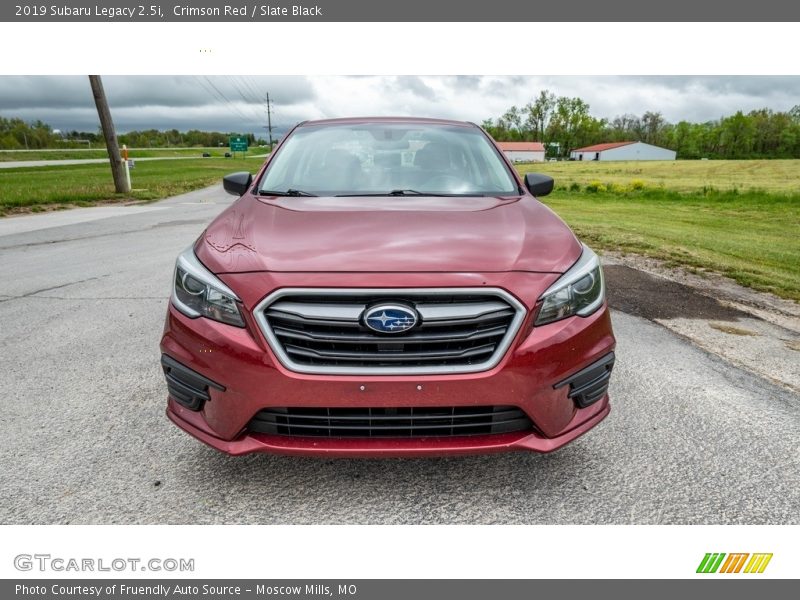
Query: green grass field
x,y
680,175
36,188
738,218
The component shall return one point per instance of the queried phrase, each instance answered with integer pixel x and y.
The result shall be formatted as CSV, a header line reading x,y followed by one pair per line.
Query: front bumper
x,y
249,378
389,447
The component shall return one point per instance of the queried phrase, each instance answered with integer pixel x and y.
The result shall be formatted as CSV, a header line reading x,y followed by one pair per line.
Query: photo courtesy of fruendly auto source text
x,y
372,300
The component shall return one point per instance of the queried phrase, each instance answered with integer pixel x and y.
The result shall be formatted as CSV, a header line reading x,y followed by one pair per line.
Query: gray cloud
x,y
226,103
415,85
236,103
134,91
465,82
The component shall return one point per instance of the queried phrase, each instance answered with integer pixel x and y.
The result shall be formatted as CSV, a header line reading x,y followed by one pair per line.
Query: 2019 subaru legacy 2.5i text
x,y
387,286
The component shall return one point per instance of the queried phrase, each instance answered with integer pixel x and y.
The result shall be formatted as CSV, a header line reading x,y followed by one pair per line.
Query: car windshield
x,y
356,159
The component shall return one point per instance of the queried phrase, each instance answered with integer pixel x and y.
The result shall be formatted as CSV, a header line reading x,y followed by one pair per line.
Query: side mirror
x,y
237,183
538,184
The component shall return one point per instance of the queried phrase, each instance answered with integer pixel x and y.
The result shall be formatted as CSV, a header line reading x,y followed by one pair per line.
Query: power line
x,y
274,119
247,99
251,89
245,90
220,96
210,90
225,98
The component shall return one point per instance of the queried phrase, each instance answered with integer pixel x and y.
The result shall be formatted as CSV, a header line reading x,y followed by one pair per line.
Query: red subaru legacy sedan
x,y
387,287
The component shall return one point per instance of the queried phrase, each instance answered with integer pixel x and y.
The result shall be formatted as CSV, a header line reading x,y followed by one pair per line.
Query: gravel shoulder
x,y
752,330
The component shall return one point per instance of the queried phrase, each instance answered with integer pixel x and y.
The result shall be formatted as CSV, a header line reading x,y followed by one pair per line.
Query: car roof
x,y
409,120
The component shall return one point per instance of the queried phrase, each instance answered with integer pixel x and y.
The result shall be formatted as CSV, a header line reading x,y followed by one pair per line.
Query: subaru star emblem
x,y
390,318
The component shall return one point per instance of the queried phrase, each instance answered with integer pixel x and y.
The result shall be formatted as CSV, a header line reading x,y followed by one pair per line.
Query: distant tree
x,y
682,140
513,117
653,125
625,128
539,112
571,123
738,135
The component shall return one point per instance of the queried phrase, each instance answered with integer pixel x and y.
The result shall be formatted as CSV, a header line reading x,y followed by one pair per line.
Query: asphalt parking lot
x,y
691,439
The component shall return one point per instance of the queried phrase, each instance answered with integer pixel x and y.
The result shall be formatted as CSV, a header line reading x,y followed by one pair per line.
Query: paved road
x,y
85,440
15,164
89,149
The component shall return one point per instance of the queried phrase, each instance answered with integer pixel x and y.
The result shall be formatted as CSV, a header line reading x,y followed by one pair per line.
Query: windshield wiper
x,y
409,193
441,194
399,192
289,192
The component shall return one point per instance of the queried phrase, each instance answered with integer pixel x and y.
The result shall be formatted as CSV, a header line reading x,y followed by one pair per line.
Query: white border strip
x,y
400,48
270,552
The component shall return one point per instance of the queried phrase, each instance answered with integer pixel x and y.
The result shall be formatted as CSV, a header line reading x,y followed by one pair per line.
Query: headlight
x,y
198,293
580,291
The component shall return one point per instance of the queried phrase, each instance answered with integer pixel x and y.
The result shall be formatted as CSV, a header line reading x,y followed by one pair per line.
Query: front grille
x,y
323,330
391,422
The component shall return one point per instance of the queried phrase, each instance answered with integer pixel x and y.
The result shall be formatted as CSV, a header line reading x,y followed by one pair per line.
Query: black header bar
x,y
376,589
541,11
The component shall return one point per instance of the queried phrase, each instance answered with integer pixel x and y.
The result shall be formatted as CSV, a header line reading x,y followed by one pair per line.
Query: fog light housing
x,y
188,388
590,384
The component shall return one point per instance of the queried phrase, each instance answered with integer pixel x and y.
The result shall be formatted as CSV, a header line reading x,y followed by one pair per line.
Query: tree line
x,y
177,139
560,122
564,123
16,134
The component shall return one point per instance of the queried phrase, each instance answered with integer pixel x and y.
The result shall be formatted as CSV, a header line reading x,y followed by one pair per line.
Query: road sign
x,y
238,144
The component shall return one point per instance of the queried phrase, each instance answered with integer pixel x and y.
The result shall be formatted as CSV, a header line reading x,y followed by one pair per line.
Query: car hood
x,y
380,234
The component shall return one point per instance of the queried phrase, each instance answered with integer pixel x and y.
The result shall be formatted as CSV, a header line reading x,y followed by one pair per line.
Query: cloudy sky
x,y
237,103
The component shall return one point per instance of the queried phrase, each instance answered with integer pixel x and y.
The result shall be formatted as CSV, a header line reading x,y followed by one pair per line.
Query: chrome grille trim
x,y
497,304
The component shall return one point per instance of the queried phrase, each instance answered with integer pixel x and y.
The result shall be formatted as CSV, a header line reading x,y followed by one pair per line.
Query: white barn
x,y
622,151
523,151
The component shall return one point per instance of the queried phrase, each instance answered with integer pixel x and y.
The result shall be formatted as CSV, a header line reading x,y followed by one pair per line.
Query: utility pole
x,y
117,167
269,122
